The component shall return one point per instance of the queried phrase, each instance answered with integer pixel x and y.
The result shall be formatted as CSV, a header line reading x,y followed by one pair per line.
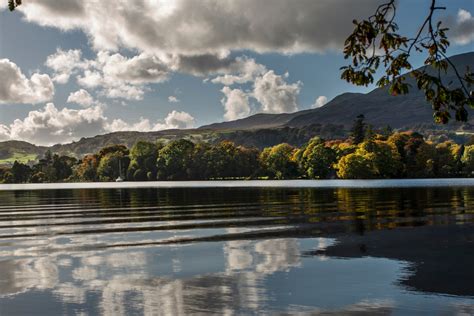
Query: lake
x,y
265,247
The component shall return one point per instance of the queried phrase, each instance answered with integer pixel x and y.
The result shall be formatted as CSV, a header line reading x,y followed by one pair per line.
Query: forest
x,y
366,154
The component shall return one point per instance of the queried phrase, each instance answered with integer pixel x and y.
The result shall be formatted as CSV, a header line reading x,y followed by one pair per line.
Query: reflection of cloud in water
x,y
71,293
118,276
264,257
278,255
238,255
126,259
84,274
20,275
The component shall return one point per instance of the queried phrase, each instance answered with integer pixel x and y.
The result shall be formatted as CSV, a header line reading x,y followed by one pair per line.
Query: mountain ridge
x,y
378,107
331,120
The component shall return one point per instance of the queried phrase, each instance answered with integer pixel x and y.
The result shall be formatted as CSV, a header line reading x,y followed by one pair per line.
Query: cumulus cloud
x,y
271,91
177,119
188,27
174,119
462,28
241,71
275,94
319,102
115,75
63,64
236,104
4,133
120,77
15,87
173,99
50,125
119,125
81,97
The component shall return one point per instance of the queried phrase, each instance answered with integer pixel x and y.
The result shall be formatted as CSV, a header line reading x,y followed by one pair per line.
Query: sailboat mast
x,y
120,167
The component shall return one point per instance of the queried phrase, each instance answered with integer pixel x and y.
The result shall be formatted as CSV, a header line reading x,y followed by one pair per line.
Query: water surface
x,y
237,250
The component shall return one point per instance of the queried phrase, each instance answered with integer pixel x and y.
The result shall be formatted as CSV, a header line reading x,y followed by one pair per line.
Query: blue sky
x,y
295,61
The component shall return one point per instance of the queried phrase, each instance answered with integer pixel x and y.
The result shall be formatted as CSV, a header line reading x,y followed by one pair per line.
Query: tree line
x,y
366,154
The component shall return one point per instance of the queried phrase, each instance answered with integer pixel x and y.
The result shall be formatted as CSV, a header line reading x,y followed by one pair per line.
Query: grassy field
x,y
20,157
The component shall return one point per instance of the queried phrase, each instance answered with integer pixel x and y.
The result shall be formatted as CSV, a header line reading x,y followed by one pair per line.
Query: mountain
x,y
379,107
329,121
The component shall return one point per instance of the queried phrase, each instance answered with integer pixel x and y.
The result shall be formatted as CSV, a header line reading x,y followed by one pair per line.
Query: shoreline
x,y
362,184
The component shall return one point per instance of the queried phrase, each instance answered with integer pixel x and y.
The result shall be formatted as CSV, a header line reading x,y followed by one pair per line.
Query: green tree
x,y
468,160
113,149
445,162
315,159
278,161
44,171
222,160
358,129
355,166
21,173
407,145
114,161
384,158
175,160
249,164
39,177
6,175
86,170
425,161
143,157
63,167
226,160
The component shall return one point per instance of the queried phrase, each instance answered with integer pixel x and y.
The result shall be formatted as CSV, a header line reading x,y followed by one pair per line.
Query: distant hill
x,y
93,144
17,150
378,106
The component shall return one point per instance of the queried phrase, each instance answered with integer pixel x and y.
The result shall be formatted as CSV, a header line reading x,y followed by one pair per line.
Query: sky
x,y
78,68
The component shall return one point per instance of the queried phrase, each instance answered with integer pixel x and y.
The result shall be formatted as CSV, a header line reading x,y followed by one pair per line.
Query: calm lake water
x,y
285,249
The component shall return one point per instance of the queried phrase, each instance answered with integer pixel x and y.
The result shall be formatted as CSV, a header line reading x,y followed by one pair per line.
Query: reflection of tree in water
x,y
439,256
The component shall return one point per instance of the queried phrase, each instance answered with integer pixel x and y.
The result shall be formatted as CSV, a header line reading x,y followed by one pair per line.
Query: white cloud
x,y
50,125
174,119
236,104
177,119
462,29
90,79
140,69
319,102
81,97
120,77
124,91
119,125
64,63
188,27
4,133
275,94
173,99
115,75
242,71
15,87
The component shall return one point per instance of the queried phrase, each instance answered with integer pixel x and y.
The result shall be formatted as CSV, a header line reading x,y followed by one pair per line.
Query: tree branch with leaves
x,y
12,4
375,43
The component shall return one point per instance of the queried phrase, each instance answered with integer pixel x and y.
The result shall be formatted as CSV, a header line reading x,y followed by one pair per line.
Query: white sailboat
x,y
120,179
